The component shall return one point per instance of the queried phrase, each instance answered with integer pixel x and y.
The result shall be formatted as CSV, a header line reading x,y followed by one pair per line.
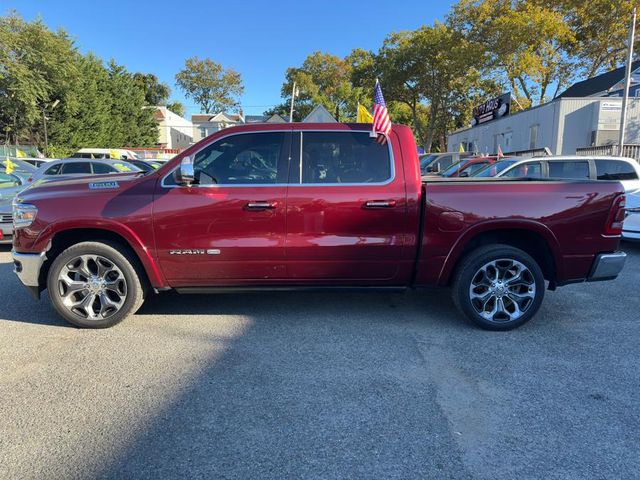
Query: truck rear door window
x,y
615,170
344,158
570,169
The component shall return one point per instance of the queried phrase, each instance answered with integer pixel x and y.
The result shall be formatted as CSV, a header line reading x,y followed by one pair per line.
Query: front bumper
x,y
607,266
27,267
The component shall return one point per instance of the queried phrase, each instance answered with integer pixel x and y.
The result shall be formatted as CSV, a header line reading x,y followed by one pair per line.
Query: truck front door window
x,y
241,159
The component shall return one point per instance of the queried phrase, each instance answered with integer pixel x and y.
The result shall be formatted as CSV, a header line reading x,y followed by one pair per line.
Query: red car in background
x,y
469,166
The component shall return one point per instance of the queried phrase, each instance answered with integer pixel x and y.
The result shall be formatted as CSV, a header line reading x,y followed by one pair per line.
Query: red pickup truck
x,y
301,206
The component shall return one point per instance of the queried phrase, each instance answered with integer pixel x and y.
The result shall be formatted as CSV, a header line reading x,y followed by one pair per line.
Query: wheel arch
x,y
531,237
62,238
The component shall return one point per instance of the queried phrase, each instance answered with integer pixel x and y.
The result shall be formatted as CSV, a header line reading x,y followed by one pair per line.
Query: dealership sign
x,y
492,109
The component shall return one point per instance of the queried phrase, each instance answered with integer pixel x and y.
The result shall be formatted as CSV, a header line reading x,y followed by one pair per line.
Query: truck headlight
x,y
23,214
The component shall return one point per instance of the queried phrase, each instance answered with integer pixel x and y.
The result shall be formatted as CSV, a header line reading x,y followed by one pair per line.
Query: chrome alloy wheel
x,y
92,287
502,290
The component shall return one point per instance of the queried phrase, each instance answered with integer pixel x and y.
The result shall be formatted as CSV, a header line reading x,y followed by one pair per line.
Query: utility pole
x,y
44,121
627,84
46,139
294,93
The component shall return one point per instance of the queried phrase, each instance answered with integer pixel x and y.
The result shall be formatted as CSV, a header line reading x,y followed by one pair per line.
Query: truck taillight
x,y
616,217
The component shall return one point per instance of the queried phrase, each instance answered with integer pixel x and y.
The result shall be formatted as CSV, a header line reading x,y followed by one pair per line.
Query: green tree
x,y
432,71
600,29
525,44
323,79
83,117
36,67
176,107
131,124
155,91
213,87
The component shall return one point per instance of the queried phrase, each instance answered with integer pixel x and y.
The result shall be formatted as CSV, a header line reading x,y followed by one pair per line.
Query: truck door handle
x,y
261,205
380,204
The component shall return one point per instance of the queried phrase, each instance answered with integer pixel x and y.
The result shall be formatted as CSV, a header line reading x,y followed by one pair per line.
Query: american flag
x,y
381,120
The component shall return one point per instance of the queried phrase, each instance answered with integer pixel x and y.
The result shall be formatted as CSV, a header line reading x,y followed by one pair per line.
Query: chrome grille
x,y
6,218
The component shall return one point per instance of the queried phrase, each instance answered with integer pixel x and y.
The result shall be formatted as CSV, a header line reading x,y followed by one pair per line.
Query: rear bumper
x,y
27,267
607,266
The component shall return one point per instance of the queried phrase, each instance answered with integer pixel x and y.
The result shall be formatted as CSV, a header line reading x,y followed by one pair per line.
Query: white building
x,y
173,130
204,124
562,125
587,114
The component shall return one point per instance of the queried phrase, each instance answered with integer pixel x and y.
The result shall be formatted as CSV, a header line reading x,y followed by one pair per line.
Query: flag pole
x,y
293,97
627,84
373,133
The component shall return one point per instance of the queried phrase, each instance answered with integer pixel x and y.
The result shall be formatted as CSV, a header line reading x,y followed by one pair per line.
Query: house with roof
x,y
173,131
609,84
587,114
204,124
319,114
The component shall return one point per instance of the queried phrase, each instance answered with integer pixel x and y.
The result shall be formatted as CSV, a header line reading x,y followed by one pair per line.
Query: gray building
x,y
587,114
562,125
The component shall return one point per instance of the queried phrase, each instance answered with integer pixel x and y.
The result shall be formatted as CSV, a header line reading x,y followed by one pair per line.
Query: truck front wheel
x,y
498,287
95,284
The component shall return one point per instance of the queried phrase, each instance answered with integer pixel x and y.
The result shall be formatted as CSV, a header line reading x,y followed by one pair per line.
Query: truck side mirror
x,y
185,174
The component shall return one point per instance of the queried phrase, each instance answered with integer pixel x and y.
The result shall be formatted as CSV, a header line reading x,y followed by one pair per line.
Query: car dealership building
x,y
586,114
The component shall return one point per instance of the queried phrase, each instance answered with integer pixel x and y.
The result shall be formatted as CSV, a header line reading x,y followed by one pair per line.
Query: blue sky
x,y
259,39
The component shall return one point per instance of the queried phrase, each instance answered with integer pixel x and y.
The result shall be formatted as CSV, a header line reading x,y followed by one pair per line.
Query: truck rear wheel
x,y
498,287
95,284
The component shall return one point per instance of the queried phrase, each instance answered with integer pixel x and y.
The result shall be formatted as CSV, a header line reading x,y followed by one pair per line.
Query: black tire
x,y
128,268
469,274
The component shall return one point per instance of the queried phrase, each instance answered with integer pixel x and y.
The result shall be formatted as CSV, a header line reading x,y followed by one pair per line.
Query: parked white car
x,y
112,153
625,170
631,226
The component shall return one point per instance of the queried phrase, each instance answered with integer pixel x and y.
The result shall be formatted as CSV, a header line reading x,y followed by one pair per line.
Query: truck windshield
x,y
495,168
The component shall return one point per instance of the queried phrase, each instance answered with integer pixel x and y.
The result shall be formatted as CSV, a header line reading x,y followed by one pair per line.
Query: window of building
x,y
203,132
615,170
533,136
344,157
569,169
508,136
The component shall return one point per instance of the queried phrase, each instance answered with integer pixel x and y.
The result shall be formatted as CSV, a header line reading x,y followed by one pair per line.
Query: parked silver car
x,y
78,167
10,185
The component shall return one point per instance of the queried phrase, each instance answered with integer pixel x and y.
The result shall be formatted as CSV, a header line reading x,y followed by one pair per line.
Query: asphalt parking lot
x,y
323,385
